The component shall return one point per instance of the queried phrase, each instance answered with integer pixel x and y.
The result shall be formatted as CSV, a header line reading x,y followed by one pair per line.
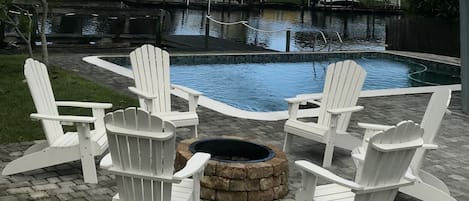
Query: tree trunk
x,y
2,34
26,37
27,40
45,53
30,49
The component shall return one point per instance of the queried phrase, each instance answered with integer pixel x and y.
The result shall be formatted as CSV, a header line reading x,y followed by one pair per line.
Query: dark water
x,y
364,31
89,25
358,31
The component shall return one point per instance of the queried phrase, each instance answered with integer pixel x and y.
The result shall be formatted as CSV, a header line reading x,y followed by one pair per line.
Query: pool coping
x,y
276,115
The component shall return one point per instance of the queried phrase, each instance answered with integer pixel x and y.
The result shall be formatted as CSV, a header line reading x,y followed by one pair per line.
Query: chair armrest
x,y
106,161
97,109
293,108
399,146
409,175
84,104
357,188
194,165
302,99
430,146
448,112
64,118
370,131
313,98
404,182
193,96
326,174
142,94
377,127
337,111
314,102
358,154
187,90
294,104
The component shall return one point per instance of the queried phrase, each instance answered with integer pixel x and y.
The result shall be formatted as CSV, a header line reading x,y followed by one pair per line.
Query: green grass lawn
x,y
16,103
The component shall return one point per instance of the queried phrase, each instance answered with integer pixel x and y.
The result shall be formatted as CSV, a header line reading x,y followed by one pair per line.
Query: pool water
x,y
263,87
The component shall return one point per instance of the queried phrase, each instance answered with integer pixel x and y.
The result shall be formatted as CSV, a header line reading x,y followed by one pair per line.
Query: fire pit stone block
x,y
239,181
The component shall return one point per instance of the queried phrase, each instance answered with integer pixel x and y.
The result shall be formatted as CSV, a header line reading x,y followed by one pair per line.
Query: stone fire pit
x,y
234,175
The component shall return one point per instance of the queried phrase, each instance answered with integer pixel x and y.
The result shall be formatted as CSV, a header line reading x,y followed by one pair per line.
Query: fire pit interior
x,y
239,170
233,150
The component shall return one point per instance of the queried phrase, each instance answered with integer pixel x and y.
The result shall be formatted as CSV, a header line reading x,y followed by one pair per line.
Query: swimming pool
x,y
262,87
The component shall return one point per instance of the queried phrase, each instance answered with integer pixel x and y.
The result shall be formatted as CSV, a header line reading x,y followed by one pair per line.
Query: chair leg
x,y
37,147
427,192
87,159
116,197
196,135
429,189
287,142
196,185
40,159
88,167
433,181
327,161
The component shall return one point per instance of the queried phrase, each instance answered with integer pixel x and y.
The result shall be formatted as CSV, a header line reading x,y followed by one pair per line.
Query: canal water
x,y
310,30
357,31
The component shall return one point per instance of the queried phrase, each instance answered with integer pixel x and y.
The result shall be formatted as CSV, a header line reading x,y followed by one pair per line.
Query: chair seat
x,y
359,154
333,192
71,139
180,119
308,130
179,192
66,140
106,161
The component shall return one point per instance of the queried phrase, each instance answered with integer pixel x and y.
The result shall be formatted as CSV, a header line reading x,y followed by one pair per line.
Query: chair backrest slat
x,y
151,73
143,144
157,167
388,167
168,156
43,97
147,189
344,81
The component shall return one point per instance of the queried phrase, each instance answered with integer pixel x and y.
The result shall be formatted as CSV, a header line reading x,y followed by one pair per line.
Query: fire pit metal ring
x,y
233,150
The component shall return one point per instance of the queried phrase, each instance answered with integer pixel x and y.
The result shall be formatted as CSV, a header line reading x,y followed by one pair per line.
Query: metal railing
x,y
246,24
339,39
323,37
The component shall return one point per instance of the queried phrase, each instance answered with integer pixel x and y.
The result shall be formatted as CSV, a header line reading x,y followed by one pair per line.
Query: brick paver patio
x,y
64,182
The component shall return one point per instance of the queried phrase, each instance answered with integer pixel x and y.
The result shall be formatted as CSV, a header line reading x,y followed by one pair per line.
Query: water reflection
x,y
66,24
92,25
357,30
99,25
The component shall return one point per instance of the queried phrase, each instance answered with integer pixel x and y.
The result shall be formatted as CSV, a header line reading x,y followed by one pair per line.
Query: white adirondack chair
x,y
142,151
60,147
152,80
343,83
383,172
427,187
